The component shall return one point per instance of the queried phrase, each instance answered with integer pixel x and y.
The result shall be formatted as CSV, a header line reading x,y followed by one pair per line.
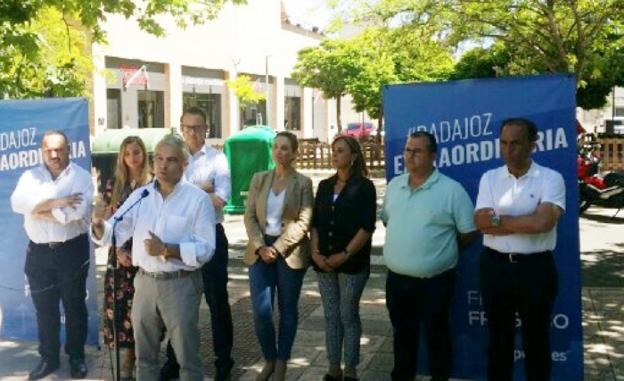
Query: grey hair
x,y
176,142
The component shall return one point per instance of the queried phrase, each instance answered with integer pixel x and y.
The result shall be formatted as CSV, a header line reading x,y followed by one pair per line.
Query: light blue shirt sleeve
x,y
463,211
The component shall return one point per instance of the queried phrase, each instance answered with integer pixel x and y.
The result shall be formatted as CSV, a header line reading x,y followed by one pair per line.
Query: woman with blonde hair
x,y
132,171
277,220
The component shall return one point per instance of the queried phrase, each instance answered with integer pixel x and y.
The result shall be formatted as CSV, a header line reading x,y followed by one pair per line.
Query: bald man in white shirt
x,y
517,210
55,199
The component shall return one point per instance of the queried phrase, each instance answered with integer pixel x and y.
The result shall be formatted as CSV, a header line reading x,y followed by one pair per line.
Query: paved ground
x,y
602,247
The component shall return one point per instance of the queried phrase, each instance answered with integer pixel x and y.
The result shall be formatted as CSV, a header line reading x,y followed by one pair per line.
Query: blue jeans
x,y
264,280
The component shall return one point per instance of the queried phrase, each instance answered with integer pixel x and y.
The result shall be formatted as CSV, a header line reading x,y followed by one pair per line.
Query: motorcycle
x,y
595,189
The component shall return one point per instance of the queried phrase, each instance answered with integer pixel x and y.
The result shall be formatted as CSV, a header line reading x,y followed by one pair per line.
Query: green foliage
x,y
48,57
45,44
328,67
482,63
361,66
529,36
244,90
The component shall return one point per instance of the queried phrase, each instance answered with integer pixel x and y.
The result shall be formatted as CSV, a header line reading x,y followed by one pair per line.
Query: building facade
x,y
141,80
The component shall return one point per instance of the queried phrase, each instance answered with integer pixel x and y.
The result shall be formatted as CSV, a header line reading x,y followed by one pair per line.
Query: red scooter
x,y
595,189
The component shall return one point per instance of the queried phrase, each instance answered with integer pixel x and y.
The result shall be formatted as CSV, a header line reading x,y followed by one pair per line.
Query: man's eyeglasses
x,y
412,152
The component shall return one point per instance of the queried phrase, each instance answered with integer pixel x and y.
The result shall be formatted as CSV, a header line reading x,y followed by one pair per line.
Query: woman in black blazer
x,y
342,226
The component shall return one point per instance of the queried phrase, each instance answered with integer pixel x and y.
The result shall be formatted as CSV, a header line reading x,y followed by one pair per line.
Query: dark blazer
x,y
294,243
338,222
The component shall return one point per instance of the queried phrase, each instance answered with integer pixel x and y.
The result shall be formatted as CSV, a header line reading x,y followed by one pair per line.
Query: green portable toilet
x,y
248,152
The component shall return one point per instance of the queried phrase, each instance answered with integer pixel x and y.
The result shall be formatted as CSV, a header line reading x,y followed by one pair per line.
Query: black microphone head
x,y
145,193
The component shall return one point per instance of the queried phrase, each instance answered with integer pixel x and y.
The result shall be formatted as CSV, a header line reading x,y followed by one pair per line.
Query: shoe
x,y
267,371
77,369
280,370
42,369
169,371
223,374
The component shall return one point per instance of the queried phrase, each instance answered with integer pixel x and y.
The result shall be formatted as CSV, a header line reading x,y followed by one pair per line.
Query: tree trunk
x,y
339,123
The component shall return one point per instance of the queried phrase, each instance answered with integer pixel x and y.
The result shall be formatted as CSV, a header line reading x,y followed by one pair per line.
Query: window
x,y
619,111
211,105
151,108
254,114
113,108
292,113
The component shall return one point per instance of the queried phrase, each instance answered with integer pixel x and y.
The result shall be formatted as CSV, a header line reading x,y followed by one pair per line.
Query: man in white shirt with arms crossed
x,y
517,210
55,199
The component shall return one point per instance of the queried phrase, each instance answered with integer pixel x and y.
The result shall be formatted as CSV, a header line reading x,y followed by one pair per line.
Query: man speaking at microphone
x,y
173,226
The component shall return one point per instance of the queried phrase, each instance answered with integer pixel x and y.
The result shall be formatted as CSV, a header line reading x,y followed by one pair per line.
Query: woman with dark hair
x,y
277,220
132,172
344,221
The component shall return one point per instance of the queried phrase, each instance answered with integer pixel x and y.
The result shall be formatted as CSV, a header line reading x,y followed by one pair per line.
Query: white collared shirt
x,y
186,217
36,185
512,196
210,164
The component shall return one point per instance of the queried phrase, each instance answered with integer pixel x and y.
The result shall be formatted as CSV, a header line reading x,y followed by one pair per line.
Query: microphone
x,y
144,194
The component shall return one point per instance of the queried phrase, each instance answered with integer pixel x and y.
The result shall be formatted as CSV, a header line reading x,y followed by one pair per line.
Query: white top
x,y
36,185
210,164
510,196
186,217
275,206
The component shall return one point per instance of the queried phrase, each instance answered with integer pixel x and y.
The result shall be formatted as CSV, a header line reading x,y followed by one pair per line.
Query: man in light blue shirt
x,y
428,218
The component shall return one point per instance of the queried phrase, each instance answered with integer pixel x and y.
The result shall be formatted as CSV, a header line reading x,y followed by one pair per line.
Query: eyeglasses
x,y
412,152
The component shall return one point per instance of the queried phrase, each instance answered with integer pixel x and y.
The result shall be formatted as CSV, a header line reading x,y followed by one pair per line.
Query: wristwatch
x,y
495,219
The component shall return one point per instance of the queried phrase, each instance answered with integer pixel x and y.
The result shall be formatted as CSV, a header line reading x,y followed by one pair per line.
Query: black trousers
x,y
215,277
528,287
58,274
412,301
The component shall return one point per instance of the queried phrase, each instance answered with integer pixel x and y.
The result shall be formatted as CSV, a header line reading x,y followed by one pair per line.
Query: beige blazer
x,y
294,243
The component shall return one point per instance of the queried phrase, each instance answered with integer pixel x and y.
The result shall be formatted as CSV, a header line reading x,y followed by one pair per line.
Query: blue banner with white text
x,y
465,117
22,124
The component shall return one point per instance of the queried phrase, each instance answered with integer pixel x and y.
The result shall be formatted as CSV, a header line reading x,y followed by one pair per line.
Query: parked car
x,y
360,129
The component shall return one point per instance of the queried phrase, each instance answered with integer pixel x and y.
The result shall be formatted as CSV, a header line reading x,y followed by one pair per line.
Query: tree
x,y
361,66
45,44
243,87
539,35
328,67
389,56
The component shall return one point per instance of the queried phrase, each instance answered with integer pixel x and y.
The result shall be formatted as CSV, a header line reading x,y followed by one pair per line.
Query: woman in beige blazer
x,y
277,219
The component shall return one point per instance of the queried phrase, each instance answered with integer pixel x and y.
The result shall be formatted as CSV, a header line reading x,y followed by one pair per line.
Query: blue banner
x,y
465,117
22,124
